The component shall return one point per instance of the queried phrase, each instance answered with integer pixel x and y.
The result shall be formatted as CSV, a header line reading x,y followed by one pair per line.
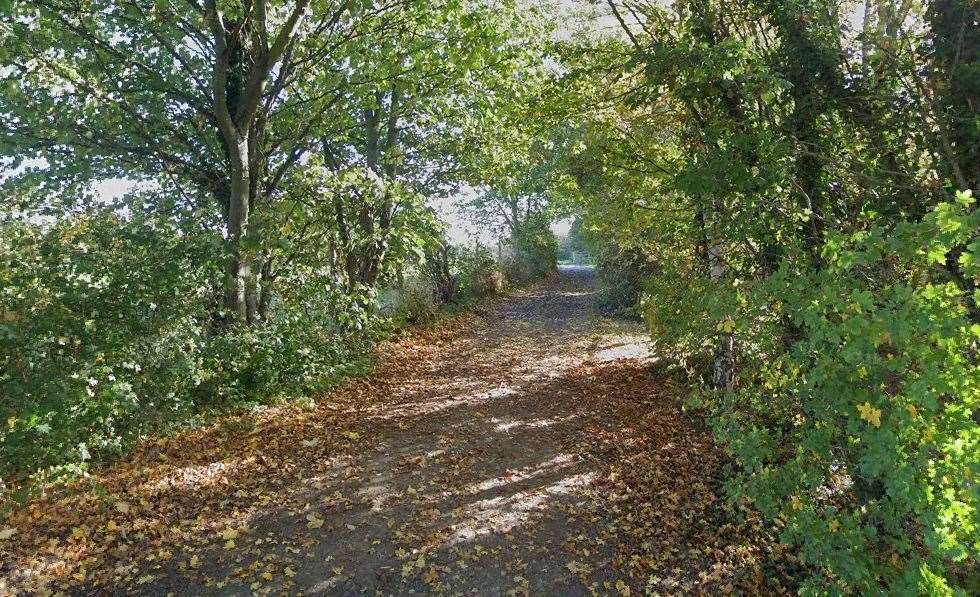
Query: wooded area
x,y
783,191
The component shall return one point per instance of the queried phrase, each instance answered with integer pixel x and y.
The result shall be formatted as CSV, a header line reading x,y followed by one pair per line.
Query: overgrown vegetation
x,y
804,190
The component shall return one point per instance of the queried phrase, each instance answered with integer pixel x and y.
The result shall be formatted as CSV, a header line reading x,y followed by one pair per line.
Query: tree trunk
x,y
239,279
238,78
723,368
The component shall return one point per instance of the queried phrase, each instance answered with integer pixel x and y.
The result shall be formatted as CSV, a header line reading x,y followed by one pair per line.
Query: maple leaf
x,y
913,412
870,414
577,567
288,572
123,507
351,435
7,534
833,526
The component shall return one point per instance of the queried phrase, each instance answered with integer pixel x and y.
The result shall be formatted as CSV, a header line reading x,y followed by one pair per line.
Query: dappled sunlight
x,y
511,477
634,348
506,426
194,477
501,514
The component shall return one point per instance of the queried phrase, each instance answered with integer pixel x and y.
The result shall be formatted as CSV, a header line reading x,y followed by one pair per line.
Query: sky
x,y
459,229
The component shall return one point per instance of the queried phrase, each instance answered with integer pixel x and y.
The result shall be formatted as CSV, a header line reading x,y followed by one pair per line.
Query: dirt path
x,y
527,450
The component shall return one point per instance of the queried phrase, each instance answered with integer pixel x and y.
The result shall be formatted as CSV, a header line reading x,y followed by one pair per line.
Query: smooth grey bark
x,y
242,132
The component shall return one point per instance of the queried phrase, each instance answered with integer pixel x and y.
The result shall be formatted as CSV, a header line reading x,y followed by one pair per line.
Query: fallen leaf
x,y
315,521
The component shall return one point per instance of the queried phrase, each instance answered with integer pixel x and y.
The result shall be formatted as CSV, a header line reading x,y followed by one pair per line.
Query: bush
x,y
107,335
460,274
95,343
535,251
622,274
411,301
480,273
856,432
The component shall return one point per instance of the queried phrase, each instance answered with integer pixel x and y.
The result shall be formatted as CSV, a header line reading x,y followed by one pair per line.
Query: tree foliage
x,y
284,154
804,191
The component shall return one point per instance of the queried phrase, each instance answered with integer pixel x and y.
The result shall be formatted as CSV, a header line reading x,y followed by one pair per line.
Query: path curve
x,y
525,450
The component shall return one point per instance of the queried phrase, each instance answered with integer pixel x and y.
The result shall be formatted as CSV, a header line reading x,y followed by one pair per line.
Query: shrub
x,y
107,334
535,251
480,273
97,339
622,274
411,301
459,274
856,430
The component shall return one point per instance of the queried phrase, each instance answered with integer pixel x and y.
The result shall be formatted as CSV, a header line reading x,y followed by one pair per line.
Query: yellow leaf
x,y
796,502
267,575
315,521
230,544
195,561
111,525
623,588
123,507
727,326
229,534
833,526
350,434
7,534
78,532
913,412
288,572
870,414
